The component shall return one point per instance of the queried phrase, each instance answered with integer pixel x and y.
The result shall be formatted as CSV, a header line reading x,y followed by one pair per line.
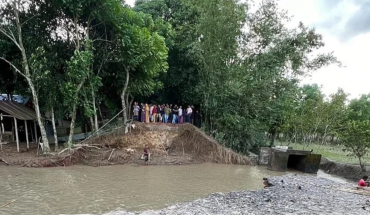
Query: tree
x,y
78,70
219,27
176,22
86,25
249,68
47,82
11,27
335,114
140,55
312,111
360,108
356,138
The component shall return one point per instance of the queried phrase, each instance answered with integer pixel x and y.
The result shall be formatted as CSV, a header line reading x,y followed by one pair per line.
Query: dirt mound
x,y
168,144
139,137
191,140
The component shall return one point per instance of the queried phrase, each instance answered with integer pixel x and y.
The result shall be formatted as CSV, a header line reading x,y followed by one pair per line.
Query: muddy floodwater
x,y
83,189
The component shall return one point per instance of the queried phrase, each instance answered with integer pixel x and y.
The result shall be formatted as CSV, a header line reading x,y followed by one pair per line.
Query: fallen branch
x,y
87,145
64,150
111,154
6,204
5,161
77,148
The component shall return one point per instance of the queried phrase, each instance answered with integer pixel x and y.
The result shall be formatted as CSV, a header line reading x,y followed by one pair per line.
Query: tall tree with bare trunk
x,y
11,27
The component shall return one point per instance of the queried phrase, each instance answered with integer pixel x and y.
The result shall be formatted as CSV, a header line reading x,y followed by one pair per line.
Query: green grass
x,y
331,152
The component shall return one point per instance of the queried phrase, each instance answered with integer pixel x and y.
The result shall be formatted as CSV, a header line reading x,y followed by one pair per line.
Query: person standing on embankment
x,y
146,113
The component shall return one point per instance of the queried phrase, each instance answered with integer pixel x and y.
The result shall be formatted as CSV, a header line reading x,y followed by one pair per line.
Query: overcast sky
x,y
345,26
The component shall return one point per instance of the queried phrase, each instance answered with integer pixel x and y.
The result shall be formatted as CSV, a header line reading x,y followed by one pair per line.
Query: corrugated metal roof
x,y
17,110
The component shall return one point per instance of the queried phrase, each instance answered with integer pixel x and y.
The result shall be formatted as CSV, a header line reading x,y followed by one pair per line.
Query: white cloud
x,y
130,2
353,53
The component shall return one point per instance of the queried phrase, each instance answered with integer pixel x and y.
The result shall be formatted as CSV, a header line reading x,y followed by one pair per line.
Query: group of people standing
x,y
166,113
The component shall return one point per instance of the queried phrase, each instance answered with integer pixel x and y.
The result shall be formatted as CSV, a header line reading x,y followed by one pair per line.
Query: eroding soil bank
x,y
349,171
290,195
168,144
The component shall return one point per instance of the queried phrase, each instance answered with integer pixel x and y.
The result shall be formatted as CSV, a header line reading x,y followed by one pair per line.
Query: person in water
x,y
363,182
146,155
266,183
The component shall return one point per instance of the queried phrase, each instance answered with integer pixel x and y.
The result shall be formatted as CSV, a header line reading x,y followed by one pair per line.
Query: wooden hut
x,y
16,118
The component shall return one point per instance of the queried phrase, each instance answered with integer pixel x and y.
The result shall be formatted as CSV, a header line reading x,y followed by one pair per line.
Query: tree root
x,y
70,156
88,145
111,154
5,163
78,147
6,204
64,150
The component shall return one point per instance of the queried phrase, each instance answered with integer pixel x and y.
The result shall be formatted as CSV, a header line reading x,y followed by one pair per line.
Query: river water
x,y
83,189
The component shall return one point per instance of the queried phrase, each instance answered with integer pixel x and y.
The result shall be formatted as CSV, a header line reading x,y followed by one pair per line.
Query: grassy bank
x,y
331,152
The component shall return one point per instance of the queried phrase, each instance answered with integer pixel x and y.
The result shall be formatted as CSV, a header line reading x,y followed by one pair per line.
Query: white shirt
x,y
189,111
180,112
151,110
136,109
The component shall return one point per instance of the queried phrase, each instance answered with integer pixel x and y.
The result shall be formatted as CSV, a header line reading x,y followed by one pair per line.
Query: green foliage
x,y
315,118
249,77
179,20
78,70
356,138
41,70
138,49
360,108
240,64
335,153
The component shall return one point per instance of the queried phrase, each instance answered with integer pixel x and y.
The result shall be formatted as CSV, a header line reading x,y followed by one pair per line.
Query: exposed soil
x,y
349,171
168,144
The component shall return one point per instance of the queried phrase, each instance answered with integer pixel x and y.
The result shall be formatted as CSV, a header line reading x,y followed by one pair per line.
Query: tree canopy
x,y
239,64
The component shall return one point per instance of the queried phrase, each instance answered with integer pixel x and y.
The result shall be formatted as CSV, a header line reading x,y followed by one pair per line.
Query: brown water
x,y
83,189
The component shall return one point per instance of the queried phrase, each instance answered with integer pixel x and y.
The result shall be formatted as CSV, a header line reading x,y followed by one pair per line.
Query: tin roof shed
x,y
17,110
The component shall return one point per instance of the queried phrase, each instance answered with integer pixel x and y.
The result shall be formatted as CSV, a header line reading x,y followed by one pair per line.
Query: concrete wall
x,y
264,156
301,160
312,163
278,160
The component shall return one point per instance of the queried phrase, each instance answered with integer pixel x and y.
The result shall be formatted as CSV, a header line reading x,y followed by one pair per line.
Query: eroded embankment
x,y
349,171
168,144
193,141
291,194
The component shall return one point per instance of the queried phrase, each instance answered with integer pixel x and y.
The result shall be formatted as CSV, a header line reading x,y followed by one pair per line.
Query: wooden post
x,y
32,135
25,125
13,130
2,124
34,123
1,131
16,133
